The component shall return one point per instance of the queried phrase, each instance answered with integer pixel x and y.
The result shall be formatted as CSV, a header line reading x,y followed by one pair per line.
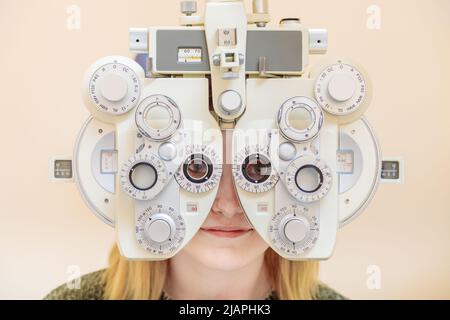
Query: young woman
x,y
226,259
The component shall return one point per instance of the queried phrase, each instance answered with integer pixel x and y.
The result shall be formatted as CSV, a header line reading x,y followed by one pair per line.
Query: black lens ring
x,y
134,168
205,160
320,177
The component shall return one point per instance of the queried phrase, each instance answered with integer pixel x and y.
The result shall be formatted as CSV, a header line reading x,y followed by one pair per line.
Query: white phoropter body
x,y
149,159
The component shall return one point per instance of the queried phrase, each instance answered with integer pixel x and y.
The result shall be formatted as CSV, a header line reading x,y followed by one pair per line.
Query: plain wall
x,y
45,227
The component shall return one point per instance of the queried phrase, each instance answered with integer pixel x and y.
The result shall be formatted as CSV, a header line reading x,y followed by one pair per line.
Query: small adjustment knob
x,y
296,230
159,230
230,101
188,7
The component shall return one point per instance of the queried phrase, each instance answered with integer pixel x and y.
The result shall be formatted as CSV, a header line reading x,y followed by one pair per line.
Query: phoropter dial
x,y
144,176
160,229
158,117
308,179
114,88
300,119
294,230
342,89
201,171
253,170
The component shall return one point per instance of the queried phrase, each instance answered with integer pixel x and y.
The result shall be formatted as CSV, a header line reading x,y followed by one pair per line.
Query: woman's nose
x,y
227,202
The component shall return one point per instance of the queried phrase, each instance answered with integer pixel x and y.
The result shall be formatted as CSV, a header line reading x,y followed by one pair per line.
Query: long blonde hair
x,y
141,280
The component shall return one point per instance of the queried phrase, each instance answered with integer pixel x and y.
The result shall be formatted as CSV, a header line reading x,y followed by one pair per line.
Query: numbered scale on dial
x,y
160,229
308,179
114,88
253,170
341,89
201,171
294,230
144,176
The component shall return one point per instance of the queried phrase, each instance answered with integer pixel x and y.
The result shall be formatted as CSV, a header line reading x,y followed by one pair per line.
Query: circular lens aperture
x,y
256,168
143,176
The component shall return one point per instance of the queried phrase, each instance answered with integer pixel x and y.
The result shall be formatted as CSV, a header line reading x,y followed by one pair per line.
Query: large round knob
x,y
296,230
341,87
159,230
230,101
113,87
293,230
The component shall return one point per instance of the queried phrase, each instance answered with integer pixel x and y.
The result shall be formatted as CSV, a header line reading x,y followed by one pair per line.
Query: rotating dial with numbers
x,y
144,176
114,88
253,170
201,171
160,229
342,89
158,117
300,119
308,179
294,230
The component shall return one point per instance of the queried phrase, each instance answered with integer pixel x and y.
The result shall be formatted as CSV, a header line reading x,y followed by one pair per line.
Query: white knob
x,y
296,230
287,151
230,101
167,151
113,87
341,87
159,231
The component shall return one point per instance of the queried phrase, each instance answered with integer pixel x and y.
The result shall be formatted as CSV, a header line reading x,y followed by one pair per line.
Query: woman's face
x,y
226,241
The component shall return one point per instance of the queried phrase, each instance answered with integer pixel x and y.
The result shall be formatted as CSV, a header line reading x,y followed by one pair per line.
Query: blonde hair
x,y
142,280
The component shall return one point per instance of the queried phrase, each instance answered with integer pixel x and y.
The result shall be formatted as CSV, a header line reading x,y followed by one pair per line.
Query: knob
x,y
341,87
113,87
296,230
287,151
188,7
159,230
230,101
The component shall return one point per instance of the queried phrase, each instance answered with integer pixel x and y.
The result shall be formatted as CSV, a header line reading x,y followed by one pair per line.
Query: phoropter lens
x,y
256,168
197,168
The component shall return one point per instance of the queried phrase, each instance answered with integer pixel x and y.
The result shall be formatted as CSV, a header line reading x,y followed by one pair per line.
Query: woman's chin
x,y
226,254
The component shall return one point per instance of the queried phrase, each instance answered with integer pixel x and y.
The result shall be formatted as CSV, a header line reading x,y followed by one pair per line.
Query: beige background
x,y
46,227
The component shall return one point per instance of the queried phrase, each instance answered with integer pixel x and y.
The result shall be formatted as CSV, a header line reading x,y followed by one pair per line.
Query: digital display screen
x,y
189,55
